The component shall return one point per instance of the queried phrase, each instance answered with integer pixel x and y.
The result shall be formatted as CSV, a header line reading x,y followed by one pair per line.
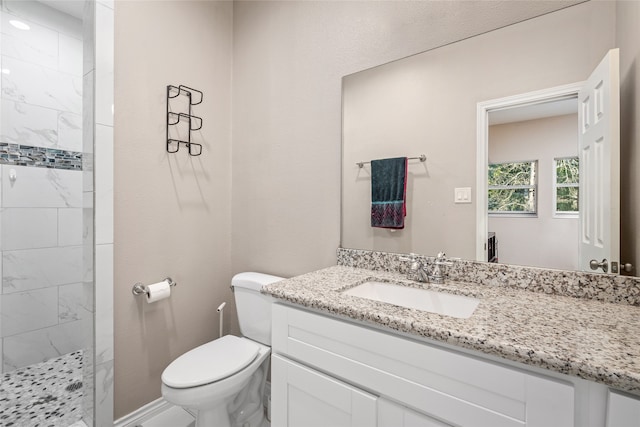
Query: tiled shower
x,y
54,368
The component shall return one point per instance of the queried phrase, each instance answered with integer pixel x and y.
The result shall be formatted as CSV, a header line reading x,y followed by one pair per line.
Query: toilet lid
x,y
210,362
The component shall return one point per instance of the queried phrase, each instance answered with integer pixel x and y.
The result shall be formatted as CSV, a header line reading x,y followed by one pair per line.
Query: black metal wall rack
x,y
194,97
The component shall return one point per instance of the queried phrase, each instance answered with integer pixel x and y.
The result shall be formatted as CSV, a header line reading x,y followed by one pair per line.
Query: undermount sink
x,y
459,306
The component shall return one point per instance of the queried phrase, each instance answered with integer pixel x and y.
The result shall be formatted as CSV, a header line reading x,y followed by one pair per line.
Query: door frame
x,y
482,147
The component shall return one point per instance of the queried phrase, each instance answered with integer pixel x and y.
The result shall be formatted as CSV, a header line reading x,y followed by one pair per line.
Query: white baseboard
x,y
143,413
151,409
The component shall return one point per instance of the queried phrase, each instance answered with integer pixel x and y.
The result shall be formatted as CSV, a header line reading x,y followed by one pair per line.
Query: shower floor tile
x,y
42,395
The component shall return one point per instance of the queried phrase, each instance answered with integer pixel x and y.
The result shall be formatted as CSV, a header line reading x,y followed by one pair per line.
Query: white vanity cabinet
x,y
391,414
357,375
623,410
317,400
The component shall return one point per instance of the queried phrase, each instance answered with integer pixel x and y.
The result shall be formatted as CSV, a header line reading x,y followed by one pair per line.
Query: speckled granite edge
x,y
602,287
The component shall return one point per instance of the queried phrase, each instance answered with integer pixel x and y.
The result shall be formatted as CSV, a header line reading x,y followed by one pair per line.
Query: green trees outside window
x,y
513,187
567,184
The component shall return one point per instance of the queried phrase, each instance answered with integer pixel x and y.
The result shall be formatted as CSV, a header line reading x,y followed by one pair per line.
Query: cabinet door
x,y
623,411
465,391
303,397
393,415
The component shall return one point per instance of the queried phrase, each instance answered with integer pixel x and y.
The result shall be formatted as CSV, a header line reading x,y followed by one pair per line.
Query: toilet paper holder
x,y
141,289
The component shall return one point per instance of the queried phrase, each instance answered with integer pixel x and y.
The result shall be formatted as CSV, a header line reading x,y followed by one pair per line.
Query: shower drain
x,y
75,386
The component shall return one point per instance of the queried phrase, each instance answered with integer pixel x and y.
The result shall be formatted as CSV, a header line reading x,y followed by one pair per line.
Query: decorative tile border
x,y
40,157
602,287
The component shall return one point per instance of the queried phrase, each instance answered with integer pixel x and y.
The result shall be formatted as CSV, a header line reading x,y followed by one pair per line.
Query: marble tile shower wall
x,y
99,72
45,308
41,102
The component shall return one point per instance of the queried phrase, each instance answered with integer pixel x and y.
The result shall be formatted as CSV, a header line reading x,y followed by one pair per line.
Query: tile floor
x,y
47,394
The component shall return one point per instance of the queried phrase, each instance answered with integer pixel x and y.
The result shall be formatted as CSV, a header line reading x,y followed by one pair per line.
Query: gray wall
x,y
289,59
544,240
172,211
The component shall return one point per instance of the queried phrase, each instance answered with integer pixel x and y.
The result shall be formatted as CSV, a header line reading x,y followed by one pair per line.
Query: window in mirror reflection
x,y
513,188
567,182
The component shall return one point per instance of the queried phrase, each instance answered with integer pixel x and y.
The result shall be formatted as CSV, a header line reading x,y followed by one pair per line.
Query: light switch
x,y
462,195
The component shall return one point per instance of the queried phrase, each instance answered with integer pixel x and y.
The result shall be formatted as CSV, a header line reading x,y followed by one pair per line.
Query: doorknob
x,y
595,265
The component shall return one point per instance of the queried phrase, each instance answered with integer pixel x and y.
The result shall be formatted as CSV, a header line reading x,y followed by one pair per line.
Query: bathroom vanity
x,y
521,359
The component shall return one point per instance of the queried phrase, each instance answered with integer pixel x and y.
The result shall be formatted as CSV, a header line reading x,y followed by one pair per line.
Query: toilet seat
x,y
210,362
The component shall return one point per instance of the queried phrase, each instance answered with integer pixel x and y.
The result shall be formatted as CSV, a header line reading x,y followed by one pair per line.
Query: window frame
x,y
534,186
563,214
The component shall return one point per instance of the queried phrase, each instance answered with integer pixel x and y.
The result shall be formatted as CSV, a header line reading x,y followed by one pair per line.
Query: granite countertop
x,y
589,339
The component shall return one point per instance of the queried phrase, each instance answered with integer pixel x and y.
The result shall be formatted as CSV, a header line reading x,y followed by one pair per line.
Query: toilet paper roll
x,y
158,291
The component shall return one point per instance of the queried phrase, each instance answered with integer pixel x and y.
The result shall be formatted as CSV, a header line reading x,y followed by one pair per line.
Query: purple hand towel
x,y
388,192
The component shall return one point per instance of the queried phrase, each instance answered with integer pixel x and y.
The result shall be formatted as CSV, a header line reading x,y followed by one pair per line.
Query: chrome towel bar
x,y
421,157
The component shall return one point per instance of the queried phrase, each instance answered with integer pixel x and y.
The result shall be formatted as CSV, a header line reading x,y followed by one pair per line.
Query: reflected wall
x,y
426,104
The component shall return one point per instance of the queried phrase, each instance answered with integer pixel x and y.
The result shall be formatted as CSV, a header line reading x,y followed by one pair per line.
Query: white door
x,y
599,147
303,397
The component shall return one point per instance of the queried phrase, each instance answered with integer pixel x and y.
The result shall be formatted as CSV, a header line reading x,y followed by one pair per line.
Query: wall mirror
x,y
428,104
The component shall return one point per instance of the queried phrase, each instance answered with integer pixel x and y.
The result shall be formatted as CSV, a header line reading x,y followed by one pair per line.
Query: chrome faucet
x,y
417,270
438,266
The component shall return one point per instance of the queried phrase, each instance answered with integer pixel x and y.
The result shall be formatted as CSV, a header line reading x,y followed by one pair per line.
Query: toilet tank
x,y
254,308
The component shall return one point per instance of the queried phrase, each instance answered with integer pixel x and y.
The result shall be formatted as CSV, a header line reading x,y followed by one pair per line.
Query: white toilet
x,y
223,380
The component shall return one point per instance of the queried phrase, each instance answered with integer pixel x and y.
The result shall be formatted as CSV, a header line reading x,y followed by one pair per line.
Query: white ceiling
x,y
534,111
